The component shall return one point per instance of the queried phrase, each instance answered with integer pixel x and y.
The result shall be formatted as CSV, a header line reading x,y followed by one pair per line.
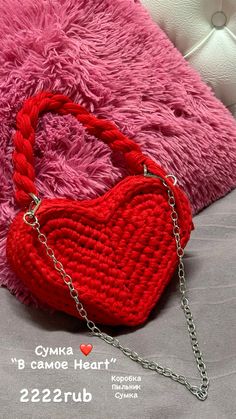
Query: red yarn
x,y
24,138
118,248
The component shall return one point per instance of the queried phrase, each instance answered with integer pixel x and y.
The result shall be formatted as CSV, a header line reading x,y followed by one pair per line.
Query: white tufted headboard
x,y
204,31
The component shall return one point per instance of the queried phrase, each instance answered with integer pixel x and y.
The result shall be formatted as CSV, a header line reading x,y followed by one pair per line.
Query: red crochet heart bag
x,y
107,259
115,253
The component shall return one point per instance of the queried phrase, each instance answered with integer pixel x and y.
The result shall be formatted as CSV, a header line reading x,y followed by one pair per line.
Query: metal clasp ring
x,y
147,173
36,201
173,177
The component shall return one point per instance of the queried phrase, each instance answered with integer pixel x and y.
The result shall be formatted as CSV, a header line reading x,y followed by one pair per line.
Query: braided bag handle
x,y
24,139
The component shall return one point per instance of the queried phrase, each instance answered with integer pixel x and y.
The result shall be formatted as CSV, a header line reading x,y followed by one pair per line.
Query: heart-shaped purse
x,y
107,259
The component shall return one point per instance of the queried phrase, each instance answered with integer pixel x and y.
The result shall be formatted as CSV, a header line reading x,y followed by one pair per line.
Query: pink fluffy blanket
x,y
109,56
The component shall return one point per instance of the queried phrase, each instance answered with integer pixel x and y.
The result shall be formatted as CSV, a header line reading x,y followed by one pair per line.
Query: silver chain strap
x,y
200,392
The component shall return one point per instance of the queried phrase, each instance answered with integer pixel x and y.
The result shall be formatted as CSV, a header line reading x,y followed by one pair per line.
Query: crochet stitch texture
x,y
109,56
118,248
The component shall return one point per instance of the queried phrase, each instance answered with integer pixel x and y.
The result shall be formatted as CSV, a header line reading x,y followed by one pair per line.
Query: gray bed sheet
x,y
210,266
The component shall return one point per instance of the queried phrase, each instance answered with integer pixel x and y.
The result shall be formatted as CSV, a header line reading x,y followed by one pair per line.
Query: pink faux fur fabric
x,y
109,56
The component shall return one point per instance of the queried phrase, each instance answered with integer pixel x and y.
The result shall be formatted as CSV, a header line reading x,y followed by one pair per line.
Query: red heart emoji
x,y
118,248
86,349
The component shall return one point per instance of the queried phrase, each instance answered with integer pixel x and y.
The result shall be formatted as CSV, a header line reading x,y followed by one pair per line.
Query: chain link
x,y
200,392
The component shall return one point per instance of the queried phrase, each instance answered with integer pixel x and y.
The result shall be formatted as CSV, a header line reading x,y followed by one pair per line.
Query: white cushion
x,y
210,26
